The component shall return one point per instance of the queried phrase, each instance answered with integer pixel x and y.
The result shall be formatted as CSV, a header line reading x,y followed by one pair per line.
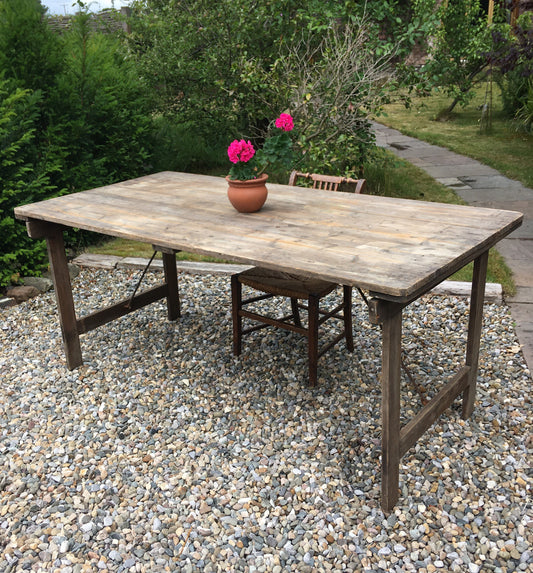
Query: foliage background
x,y
84,108
74,114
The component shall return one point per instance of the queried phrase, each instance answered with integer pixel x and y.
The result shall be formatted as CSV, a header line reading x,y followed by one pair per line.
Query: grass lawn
x,y
504,148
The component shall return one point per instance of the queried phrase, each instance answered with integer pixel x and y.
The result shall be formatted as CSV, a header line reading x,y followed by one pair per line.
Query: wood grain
x,y
395,248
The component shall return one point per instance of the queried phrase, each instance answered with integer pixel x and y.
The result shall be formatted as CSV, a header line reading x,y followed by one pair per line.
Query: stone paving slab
x,y
493,291
434,169
434,158
522,314
97,261
494,194
453,182
520,250
406,143
195,267
489,181
521,272
524,295
522,276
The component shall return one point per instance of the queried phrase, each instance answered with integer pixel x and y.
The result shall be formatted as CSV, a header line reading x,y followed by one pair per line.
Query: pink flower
x,y
240,151
285,122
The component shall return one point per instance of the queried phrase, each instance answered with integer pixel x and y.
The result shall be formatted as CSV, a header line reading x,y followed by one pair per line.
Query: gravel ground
x,y
163,452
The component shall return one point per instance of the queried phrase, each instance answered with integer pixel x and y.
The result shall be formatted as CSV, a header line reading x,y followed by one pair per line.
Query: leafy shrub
x,y
29,64
21,181
459,40
333,87
511,57
524,116
223,68
178,146
30,52
68,123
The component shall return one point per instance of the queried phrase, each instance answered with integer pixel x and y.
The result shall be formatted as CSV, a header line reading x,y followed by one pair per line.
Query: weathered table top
x,y
396,248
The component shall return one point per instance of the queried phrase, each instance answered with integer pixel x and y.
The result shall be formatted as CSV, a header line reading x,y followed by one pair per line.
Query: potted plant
x,y
247,190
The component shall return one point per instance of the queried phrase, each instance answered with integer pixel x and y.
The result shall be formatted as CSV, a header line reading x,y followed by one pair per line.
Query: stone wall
x,y
109,21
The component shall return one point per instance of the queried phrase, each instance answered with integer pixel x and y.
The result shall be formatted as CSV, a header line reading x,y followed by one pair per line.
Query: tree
x,y
101,120
333,89
456,48
29,64
29,51
511,57
66,123
193,52
222,68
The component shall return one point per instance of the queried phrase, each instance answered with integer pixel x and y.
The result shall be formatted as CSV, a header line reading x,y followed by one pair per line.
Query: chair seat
x,y
285,284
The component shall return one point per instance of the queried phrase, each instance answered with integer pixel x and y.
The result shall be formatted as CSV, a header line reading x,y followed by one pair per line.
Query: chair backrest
x,y
327,182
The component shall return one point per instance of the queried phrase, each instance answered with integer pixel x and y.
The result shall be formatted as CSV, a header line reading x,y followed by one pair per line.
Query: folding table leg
x,y
65,301
347,315
390,403
296,312
63,289
474,331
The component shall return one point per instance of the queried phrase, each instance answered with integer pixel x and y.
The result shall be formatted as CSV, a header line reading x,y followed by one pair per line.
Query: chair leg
x,y
295,312
347,314
236,304
171,279
312,339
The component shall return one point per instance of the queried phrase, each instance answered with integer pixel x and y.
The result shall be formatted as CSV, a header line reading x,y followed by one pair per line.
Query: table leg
x,y
391,314
171,280
474,332
65,301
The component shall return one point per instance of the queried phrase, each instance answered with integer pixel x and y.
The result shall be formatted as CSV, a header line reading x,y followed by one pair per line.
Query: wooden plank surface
x,y
393,247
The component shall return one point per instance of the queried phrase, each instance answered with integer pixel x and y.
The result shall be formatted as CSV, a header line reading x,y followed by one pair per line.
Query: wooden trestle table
x,y
395,249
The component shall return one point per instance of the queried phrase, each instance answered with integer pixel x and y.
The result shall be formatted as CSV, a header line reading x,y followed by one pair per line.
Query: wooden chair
x,y
285,284
328,182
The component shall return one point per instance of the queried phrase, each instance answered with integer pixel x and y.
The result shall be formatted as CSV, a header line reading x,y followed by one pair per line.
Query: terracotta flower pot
x,y
247,196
